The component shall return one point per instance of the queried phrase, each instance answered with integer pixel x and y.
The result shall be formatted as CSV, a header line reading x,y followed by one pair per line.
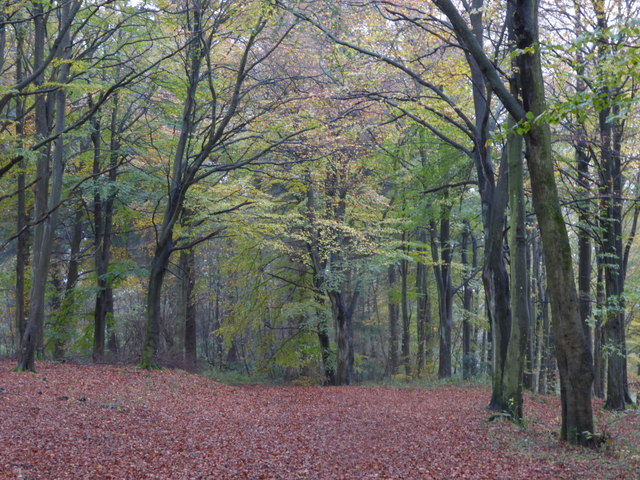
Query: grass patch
x,y
427,383
234,377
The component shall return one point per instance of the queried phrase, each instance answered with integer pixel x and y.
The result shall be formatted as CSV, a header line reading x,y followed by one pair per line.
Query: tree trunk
x,y
154,295
573,354
65,312
182,178
187,270
103,227
423,302
393,323
572,349
611,223
599,360
514,367
441,254
46,203
328,363
469,368
404,304
494,201
22,251
496,286
343,316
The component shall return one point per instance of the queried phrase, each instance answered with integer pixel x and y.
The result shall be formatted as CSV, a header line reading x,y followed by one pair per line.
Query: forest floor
x,y
108,422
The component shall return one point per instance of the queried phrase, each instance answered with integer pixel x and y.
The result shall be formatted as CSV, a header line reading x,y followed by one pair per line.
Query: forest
x,y
328,192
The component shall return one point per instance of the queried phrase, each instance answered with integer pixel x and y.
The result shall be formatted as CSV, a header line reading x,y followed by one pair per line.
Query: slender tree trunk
x,y
65,313
393,322
343,316
468,356
611,223
514,371
494,200
532,358
101,265
22,251
328,361
424,304
181,179
441,253
496,286
103,227
584,208
572,348
187,269
46,203
599,360
154,310
404,303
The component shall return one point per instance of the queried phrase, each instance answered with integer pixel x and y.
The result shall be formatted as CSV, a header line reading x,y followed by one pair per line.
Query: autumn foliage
x,y
119,422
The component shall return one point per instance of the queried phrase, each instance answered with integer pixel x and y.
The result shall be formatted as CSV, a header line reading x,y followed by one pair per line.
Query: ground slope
x,y
106,422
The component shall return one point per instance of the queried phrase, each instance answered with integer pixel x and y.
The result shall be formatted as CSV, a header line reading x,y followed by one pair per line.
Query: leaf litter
x,y
112,422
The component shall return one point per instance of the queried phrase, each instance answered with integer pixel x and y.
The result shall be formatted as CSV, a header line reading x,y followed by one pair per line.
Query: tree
x,y
47,196
450,122
227,46
573,353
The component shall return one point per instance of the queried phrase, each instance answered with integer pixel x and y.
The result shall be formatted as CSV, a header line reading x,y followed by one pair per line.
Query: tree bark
x,y
469,367
46,203
494,200
441,254
404,304
514,367
103,227
423,303
187,270
65,312
573,354
328,361
393,322
22,250
343,315
572,349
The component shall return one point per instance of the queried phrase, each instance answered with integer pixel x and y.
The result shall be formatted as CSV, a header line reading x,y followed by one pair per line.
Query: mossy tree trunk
x,y
572,349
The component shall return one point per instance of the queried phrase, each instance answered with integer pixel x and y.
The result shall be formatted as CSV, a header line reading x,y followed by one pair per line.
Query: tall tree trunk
x,y
468,355
514,371
46,203
611,222
328,361
423,303
599,360
496,286
22,251
103,227
532,359
584,213
573,353
181,179
100,262
343,315
441,253
187,270
393,322
572,348
404,304
494,201
65,313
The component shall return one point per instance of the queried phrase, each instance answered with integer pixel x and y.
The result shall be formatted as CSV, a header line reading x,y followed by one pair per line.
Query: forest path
x,y
108,422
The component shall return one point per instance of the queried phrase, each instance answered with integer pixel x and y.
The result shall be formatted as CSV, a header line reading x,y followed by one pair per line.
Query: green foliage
x,y
234,377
